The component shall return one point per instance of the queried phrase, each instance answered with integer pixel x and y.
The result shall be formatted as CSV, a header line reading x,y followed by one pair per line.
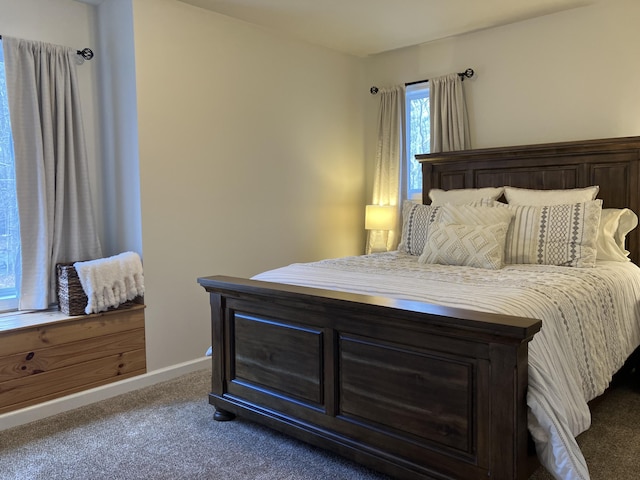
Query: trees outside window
x,y
417,136
9,224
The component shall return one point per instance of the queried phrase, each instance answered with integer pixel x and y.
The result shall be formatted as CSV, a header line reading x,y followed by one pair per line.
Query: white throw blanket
x,y
109,282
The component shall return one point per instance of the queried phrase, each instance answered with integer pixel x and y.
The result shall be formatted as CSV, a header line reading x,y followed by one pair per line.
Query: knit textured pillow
x,y
480,246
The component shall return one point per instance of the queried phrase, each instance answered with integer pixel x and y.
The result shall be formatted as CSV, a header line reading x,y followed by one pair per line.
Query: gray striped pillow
x,y
554,234
416,219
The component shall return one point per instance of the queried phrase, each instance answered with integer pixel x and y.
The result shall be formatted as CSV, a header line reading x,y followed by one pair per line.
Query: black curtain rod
x,y
468,73
85,53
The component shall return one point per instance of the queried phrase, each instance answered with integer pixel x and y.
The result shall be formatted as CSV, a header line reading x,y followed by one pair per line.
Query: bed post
x,y
218,356
509,376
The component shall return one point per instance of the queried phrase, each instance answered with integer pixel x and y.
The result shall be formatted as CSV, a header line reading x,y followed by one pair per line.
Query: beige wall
x,y
568,76
251,157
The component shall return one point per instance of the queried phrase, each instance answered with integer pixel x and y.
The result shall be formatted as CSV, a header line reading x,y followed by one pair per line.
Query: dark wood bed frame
x,y
414,390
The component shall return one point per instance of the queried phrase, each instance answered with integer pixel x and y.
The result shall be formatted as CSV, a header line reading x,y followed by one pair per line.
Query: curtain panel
x,y
389,155
54,200
449,120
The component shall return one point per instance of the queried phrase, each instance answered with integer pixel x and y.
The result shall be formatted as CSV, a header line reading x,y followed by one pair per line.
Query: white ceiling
x,y
366,27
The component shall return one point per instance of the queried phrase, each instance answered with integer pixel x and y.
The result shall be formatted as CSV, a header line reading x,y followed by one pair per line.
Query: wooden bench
x,y
50,359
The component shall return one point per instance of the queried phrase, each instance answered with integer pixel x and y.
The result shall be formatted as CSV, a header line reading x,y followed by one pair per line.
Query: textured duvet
x,y
590,325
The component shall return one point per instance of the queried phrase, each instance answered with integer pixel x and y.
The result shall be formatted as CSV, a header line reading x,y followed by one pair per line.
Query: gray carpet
x,y
612,445
166,432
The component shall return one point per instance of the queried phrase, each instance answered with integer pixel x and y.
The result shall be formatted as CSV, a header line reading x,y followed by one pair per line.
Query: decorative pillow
x,y
463,195
525,196
416,219
476,214
480,246
615,224
554,234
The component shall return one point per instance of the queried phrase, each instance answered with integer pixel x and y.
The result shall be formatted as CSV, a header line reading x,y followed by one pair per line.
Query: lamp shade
x,y
380,217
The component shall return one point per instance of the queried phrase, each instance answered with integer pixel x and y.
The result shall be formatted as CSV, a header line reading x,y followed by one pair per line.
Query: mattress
x,y
590,325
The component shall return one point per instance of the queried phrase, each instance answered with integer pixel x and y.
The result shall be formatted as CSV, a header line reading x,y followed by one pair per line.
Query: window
x,y
417,136
9,226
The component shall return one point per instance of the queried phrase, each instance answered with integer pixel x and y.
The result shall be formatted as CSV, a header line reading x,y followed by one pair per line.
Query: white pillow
x,y
525,196
475,214
463,195
615,224
554,234
480,246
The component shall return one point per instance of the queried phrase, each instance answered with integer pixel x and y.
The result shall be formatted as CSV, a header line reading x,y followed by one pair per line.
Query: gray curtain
x,y
54,201
449,120
389,154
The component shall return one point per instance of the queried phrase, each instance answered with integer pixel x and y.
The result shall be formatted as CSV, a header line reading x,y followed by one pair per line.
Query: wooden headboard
x,y
612,164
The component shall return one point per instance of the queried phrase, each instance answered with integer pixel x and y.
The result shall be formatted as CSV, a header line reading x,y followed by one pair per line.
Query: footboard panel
x,y
282,358
417,393
412,390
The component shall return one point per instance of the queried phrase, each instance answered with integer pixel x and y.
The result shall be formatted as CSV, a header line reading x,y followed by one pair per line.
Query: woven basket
x,y
71,297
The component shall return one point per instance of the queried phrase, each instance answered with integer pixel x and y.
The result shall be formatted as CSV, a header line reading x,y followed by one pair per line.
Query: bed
x,y
415,389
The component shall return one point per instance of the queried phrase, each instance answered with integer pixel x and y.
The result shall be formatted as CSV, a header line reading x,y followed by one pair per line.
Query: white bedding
x,y
591,324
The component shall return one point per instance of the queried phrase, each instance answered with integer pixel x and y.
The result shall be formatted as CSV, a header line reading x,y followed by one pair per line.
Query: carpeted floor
x,y
612,445
166,432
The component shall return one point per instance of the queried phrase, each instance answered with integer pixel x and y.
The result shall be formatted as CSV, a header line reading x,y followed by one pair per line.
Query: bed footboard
x,y
410,389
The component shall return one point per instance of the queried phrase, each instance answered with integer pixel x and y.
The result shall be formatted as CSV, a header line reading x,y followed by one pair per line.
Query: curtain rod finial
x,y
373,90
86,53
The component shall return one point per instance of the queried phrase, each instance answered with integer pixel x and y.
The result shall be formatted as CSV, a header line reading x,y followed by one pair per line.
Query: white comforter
x,y
591,324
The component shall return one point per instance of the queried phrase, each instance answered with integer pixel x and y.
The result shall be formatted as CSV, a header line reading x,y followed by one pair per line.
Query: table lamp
x,y
379,217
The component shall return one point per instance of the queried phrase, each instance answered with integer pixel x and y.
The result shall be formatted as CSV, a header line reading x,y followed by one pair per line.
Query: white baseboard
x,y
80,399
